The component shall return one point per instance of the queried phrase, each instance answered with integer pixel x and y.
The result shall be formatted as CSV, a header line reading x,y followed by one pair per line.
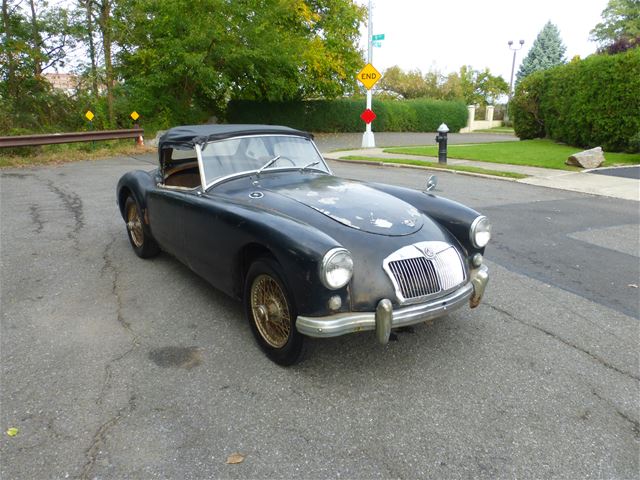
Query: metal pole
x,y
513,66
368,140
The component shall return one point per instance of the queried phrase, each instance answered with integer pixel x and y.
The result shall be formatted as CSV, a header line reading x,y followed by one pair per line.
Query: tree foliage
x,y
620,26
588,103
254,49
472,86
34,37
179,60
547,52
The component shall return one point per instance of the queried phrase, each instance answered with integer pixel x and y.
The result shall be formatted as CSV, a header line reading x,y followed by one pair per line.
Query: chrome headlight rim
x,y
474,230
326,262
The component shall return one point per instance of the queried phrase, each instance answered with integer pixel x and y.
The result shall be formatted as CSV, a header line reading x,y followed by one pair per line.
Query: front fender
x,y
453,216
245,229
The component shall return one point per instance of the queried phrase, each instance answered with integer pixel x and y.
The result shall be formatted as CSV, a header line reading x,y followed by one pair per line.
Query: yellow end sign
x,y
89,115
368,76
135,115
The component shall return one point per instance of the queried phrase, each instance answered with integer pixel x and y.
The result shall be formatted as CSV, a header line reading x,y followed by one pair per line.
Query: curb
x,y
420,167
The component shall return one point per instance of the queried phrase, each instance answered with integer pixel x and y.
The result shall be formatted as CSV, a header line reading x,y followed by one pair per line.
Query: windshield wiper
x,y
268,164
312,164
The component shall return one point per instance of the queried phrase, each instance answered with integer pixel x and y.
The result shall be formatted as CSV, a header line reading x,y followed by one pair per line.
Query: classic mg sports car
x,y
256,211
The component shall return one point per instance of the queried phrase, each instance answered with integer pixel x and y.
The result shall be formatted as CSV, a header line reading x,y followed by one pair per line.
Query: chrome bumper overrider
x,y
385,318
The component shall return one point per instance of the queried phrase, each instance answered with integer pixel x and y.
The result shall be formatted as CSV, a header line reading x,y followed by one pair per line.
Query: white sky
x,y
447,34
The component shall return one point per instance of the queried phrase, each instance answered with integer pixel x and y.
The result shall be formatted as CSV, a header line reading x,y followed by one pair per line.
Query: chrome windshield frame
x,y
207,186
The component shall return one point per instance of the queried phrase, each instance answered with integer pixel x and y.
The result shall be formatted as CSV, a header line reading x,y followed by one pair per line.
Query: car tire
x,y
272,313
141,240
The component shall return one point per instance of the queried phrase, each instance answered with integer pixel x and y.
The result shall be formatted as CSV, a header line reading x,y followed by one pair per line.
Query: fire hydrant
x,y
441,138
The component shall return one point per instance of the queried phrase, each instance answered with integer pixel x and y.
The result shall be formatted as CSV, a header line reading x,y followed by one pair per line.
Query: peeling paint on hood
x,y
356,205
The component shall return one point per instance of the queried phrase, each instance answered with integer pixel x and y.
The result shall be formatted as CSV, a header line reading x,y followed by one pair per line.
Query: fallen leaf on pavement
x,y
235,458
12,432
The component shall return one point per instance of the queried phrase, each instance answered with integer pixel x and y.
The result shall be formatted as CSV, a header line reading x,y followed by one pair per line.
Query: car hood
x,y
355,205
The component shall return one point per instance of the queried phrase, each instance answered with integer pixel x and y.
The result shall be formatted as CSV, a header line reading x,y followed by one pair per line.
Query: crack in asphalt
x,y
108,266
635,424
73,204
108,374
595,357
36,218
99,438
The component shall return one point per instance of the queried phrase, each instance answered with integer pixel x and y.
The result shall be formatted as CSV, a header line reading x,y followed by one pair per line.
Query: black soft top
x,y
189,135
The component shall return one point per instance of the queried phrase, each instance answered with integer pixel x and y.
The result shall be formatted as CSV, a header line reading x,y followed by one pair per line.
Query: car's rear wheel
x,y
143,244
271,312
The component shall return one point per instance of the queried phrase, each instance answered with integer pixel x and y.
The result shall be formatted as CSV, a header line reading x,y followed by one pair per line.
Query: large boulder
x,y
587,159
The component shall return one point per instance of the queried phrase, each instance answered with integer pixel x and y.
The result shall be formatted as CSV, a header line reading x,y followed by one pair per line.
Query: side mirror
x,y
432,183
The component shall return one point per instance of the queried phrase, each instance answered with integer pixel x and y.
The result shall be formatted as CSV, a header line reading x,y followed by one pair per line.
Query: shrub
x,y
525,107
587,103
343,115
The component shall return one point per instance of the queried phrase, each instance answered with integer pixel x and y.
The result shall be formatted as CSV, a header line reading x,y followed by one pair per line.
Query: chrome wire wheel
x,y
134,225
270,311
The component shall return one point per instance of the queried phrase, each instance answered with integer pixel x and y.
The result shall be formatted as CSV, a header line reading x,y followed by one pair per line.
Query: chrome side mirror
x,y
432,183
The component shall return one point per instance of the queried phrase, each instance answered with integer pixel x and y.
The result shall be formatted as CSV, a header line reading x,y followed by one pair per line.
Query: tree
x,y
472,86
191,57
547,52
620,26
411,84
34,37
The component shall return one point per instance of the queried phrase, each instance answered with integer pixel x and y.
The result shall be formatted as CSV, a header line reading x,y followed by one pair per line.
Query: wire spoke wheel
x,y
270,311
134,225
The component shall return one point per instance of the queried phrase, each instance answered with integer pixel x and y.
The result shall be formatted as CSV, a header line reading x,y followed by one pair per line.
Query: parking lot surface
x,y
117,367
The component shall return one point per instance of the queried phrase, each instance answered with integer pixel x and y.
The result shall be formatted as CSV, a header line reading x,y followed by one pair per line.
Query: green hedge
x,y
587,103
343,115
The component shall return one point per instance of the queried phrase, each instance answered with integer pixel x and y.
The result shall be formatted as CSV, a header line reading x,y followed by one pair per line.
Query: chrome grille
x,y
424,269
415,276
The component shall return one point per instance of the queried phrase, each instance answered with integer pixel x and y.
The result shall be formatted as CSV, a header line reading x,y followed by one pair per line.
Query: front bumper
x,y
385,318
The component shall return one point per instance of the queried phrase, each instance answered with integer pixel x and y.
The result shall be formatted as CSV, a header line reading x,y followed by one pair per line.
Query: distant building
x,y
66,82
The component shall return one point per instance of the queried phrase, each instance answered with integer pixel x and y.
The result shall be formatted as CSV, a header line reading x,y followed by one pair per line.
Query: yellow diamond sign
x,y
135,115
368,76
89,115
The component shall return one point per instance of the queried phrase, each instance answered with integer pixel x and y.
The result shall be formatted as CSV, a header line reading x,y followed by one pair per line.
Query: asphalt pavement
x,y
117,367
619,182
624,172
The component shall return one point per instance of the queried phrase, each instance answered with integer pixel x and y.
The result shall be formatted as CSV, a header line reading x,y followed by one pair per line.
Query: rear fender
x,y
137,183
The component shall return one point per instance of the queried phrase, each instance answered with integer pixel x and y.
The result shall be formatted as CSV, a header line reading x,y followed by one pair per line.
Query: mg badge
x,y
430,254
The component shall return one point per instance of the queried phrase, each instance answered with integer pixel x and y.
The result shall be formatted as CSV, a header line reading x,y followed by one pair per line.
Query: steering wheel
x,y
287,159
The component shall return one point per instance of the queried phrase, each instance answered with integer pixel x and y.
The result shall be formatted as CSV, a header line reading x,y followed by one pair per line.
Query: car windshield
x,y
233,156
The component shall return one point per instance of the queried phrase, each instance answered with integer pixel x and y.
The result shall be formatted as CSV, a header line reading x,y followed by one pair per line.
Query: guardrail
x,y
71,137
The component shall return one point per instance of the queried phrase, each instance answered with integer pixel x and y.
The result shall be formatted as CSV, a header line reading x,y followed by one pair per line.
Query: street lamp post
x,y
513,66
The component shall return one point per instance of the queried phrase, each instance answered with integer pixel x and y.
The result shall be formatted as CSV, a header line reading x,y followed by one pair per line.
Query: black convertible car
x,y
256,211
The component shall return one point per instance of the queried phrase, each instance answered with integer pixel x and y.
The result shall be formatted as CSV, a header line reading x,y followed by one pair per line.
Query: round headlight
x,y
480,232
336,268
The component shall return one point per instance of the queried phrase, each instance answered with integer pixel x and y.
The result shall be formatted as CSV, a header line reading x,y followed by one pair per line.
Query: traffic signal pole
x,y
368,140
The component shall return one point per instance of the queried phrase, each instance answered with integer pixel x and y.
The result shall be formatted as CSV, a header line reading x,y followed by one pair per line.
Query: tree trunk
x,y
37,41
105,25
11,66
92,49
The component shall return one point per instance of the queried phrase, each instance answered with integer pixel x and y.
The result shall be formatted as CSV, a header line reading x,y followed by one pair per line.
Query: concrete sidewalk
x,y
582,181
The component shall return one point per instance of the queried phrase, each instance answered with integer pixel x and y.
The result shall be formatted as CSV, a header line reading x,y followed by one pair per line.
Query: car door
x,y
166,207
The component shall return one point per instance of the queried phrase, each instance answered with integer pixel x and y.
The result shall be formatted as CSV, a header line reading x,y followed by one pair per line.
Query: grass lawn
x,y
460,168
533,153
70,152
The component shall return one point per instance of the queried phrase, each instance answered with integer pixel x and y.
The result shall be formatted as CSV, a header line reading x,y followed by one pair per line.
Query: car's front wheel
x,y
143,244
271,312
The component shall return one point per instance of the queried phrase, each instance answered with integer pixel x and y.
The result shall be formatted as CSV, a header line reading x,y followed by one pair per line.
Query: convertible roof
x,y
190,135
